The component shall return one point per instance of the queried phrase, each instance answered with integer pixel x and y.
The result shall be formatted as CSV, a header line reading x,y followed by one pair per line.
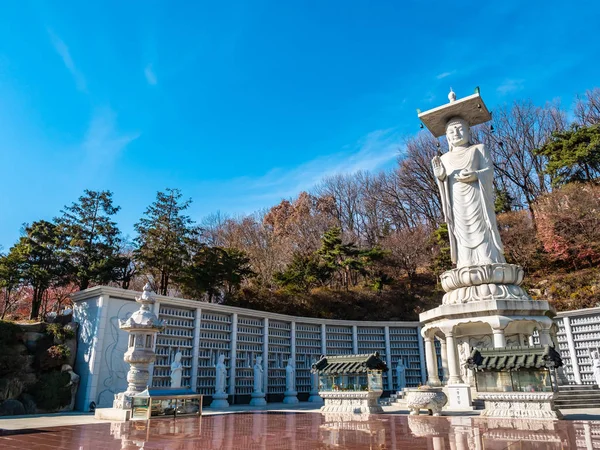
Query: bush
x,y
54,356
11,361
59,332
9,333
51,391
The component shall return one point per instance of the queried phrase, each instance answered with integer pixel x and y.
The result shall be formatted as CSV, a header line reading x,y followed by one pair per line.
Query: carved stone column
x,y
444,348
571,344
499,338
432,374
233,359
266,355
545,337
453,368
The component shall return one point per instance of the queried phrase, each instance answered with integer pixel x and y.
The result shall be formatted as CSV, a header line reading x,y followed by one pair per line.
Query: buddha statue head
x,y
458,133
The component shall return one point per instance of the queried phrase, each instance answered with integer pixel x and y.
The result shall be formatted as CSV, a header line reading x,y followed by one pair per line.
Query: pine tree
x,y
441,241
303,273
573,155
43,261
214,271
339,258
92,238
164,234
10,278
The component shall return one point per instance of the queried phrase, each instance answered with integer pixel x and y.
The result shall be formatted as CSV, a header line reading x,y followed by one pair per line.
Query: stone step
x,y
567,391
576,401
577,387
563,403
575,406
581,395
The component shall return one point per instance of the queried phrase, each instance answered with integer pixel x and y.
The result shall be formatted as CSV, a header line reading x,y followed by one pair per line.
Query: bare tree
x,y
587,108
345,191
408,249
416,180
519,131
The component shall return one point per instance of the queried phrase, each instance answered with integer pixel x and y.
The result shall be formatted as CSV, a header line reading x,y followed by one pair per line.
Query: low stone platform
x,y
112,414
353,402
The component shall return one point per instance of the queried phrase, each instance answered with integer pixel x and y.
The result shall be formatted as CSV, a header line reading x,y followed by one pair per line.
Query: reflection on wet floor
x,y
315,431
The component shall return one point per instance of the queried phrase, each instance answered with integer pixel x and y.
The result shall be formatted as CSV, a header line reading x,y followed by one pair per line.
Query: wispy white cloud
x,y
63,51
103,143
509,86
150,75
445,74
430,97
372,152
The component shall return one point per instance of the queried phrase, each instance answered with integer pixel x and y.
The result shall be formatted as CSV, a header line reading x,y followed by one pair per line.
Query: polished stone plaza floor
x,y
278,430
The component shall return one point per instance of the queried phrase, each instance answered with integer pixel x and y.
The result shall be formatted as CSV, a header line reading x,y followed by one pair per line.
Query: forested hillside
x,y
357,246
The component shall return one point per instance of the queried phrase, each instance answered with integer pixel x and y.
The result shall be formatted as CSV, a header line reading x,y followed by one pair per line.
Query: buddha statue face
x,y
458,133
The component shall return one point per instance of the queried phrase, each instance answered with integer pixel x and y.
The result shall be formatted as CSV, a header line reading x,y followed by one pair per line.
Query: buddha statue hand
x,y
438,168
466,176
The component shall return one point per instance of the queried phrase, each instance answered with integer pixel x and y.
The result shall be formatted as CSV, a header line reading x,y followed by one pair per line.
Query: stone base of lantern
x,y
258,399
220,400
520,405
355,402
291,397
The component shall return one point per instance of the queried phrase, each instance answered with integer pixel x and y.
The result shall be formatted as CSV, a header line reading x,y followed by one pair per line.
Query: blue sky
x,y
241,104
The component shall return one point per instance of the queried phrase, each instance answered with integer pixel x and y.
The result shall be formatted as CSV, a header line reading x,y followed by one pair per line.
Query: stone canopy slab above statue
x,y
470,108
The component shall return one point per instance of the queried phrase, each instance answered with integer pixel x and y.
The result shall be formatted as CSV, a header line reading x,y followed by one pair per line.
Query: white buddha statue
x,y
400,375
176,371
290,376
221,375
465,177
258,374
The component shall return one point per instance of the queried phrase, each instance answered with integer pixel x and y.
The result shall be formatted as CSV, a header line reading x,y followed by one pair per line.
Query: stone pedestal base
x,y
113,414
258,399
459,397
359,402
220,400
291,398
520,405
315,397
498,281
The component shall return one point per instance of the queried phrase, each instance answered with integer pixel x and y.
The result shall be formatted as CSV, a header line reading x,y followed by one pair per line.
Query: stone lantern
x,y
142,326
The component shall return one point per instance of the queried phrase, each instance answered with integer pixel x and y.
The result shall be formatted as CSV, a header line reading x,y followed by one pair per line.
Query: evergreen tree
x,y
338,257
503,201
236,269
10,278
92,239
346,262
573,155
164,234
303,273
42,260
441,241
214,271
